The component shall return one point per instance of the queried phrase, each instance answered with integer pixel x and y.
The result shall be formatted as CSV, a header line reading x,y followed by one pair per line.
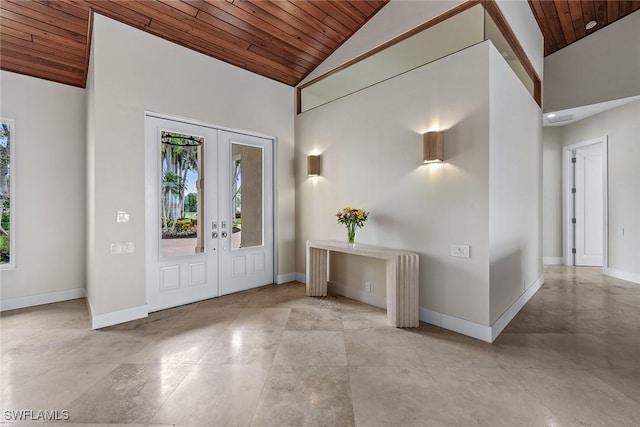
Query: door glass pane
x,y
181,195
246,195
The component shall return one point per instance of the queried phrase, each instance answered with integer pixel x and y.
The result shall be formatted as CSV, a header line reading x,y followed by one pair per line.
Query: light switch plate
x,y
122,216
461,251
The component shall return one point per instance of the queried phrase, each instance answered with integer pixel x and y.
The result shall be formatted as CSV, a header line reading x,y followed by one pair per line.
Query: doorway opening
x,y
585,201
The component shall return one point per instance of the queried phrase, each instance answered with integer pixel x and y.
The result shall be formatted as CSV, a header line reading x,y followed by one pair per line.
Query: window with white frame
x,y
7,208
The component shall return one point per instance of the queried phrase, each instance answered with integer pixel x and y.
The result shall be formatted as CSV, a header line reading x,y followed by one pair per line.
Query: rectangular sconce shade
x,y
313,165
433,147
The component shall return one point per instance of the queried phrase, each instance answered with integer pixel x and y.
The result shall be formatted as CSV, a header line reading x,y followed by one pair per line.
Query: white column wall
x,y
515,182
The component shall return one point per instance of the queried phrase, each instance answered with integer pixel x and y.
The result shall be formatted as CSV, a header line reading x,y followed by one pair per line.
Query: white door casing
x,y
177,280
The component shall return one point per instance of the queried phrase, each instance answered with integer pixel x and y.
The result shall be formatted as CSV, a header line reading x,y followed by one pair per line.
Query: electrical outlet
x,y
122,248
462,251
367,286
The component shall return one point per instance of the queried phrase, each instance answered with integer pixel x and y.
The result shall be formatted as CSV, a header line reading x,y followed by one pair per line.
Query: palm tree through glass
x,y
181,210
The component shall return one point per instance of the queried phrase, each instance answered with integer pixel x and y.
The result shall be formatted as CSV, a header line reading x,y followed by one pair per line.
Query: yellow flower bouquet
x,y
352,218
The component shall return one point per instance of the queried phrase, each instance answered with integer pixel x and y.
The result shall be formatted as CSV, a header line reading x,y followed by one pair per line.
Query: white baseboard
x,y
39,299
621,274
286,278
358,295
462,326
552,260
515,308
116,317
477,330
300,277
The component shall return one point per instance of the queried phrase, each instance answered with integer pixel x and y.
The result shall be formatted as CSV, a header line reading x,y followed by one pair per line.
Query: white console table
x,y
402,276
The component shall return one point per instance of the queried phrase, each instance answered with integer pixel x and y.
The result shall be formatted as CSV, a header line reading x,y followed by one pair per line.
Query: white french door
x,y
209,212
246,201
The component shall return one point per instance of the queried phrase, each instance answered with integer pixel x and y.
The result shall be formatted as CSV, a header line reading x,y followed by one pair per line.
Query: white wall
x,y
49,174
598,68
552,193
371,141
524,25
371,145
395,18
515,187
133,72
622,127
399,16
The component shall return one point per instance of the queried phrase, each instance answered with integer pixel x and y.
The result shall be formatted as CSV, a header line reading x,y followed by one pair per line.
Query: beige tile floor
x,y
273,357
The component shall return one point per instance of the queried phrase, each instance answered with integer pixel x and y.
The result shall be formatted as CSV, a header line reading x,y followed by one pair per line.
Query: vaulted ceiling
x,y
282,40
279,39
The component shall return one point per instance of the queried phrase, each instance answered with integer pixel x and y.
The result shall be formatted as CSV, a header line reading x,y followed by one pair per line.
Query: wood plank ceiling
x,y
563,22
279,39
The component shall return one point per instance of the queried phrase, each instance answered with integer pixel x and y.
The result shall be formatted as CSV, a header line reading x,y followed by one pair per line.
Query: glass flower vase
x,y
351,237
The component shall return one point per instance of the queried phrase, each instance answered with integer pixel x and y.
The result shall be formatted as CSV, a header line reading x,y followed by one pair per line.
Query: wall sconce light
x,y
313,165
433,147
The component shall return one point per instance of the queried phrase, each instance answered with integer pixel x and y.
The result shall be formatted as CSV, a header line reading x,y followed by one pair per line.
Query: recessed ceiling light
x,y
551,115
590,25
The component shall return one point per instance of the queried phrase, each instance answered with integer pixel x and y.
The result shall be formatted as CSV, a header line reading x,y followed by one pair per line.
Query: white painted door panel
x,y
589,207
180,270
246,253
